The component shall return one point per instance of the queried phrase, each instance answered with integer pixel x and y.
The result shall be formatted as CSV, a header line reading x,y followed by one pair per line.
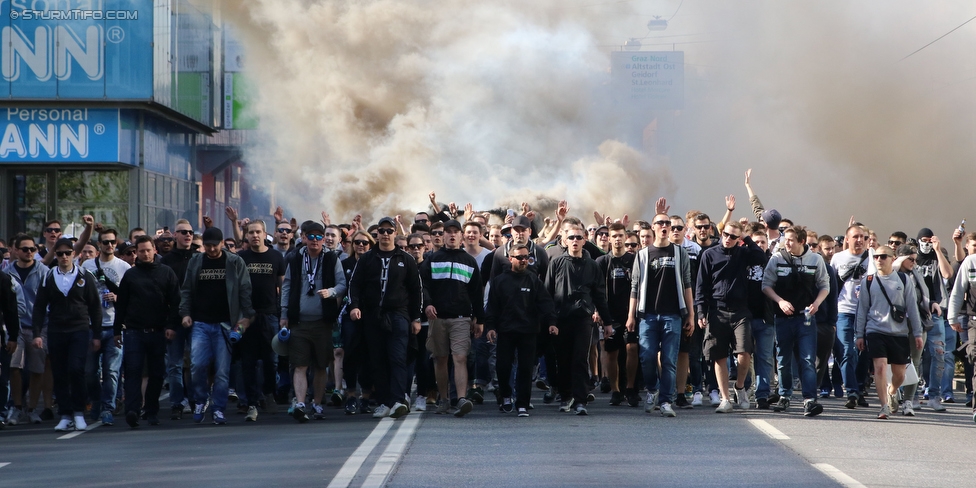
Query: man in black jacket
x,y
146,315
177,260
518,306
452,292
75,313
385,294
580,297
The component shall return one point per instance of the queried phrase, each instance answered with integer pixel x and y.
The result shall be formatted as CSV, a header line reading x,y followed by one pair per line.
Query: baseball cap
x,y
772,218
452,223
522,221
213,235
389,220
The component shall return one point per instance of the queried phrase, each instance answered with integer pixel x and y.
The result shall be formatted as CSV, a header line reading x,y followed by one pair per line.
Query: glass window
x,y
103,194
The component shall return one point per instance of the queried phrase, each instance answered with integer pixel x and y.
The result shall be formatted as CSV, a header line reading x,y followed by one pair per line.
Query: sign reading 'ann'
x,y
649,80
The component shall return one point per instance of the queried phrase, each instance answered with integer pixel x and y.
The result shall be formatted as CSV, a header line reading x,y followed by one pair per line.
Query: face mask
x,y
924,247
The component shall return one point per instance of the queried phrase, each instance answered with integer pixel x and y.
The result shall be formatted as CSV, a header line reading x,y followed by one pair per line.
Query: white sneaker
x,y
381,411
714,397
696,399
666,410
35,418
650,404
742,399
907,408
420,404
65,425
935,403
724,406
399,410
80,423
13,416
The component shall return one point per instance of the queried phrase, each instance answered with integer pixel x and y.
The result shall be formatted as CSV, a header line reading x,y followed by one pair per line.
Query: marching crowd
x,y
384,319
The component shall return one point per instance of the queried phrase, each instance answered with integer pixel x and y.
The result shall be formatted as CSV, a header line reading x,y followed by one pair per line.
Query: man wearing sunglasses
x,y
689,351
52,233
104,366
723,310
887,319
386,295
69,308
797,280
616,267
27,273
177,259
933,263
283,237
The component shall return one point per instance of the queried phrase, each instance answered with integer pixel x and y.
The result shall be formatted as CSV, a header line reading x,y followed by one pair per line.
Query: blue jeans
x,y
764,336
102,373
790,332
482,355
848,361
660,333
210,343
936,339
949,371
174,365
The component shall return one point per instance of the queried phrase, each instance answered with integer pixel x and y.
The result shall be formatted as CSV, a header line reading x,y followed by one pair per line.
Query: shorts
x,y
620,339
26,356
692,344
311,344
727,330
449,336
893,348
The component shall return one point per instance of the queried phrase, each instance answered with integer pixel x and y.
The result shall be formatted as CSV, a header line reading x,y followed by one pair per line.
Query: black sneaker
x,y
541,384
476,395
47,414
811,408
590,397
616,398
336,399
550,396
352,406
762,403
507,407
132,418
851,402
682,402
782,405
175,414
364,407
605,385
773,398
861,401
464,406
299,413
153,420
633,399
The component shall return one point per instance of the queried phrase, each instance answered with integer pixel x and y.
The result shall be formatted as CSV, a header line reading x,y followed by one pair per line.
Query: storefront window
x,y
103,194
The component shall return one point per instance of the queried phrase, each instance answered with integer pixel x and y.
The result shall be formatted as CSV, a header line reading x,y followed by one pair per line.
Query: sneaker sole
x,y
400,412
463,410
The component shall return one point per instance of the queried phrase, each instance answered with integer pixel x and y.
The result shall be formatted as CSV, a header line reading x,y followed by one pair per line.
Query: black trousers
x,y
572,353
826,335
143,349
355,359
388,355
255,346
423,368
514,346
68,352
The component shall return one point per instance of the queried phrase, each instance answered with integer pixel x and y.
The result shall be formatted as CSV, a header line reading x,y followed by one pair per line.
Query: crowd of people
x,y
393,317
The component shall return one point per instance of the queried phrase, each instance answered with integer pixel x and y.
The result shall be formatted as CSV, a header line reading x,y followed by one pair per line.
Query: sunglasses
x,y
62,254
602,234
524,257
231,245
387,231
575,238
28,249
55,230
284,230
436,232
109,242
910,259
185,232
895,243
415,246
882,257
782,229
131,253
664,223
420,221
631,244
507,236
165,239
730,236
702,227
314,237
363,243
677,228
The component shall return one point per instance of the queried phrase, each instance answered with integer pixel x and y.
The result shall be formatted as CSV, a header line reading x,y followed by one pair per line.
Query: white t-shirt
x,y
113,270
842,262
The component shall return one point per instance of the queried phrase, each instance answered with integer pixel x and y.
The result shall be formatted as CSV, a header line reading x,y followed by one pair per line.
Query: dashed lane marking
x,y
79,432
355,461
768,429
838,475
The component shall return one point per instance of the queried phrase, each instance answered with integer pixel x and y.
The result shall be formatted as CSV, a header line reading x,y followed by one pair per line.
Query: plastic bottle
x,y
807,316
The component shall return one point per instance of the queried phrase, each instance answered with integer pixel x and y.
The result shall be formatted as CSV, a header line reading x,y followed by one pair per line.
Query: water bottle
x,y
235,335
807,316
962,227
105,302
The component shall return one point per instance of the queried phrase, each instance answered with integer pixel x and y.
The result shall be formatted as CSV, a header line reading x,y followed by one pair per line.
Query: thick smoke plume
x,y
369,105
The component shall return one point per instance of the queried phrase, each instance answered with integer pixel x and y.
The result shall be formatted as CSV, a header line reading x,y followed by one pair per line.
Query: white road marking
x,y
79,432
389,458
4,464
355,461
838,476
768,429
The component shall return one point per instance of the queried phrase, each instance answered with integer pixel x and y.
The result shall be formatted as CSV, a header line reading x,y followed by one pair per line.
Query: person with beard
x,y
266,268
616,267
180,397
146,316
518,308
933,263
386,294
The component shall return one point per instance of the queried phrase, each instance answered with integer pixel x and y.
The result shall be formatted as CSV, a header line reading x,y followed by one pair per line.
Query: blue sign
x,y
59,135
76,49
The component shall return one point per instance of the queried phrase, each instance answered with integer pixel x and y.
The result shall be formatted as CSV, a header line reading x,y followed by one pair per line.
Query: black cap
x,y
64,241
772,218
925,232
522,221
452,223
388,220
213,235
312,227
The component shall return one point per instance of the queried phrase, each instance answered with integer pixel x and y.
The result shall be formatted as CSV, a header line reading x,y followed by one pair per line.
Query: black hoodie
x,y
518,302
577,287
177,259
149,298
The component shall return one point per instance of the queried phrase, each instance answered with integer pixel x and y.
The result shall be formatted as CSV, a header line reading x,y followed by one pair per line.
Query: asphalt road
x,y
616,446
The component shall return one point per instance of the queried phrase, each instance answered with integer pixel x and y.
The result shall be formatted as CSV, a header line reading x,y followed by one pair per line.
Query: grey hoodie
x,y
874,314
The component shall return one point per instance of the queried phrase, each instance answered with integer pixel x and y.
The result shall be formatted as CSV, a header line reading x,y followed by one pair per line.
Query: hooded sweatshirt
x,y
874,313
